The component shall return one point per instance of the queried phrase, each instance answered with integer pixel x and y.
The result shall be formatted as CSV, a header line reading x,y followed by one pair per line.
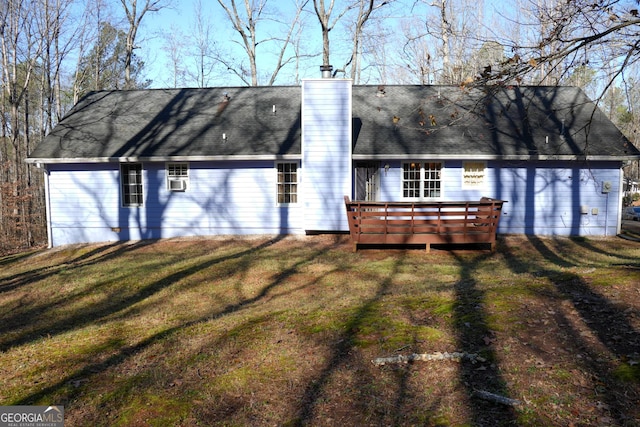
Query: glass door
x,y
367,179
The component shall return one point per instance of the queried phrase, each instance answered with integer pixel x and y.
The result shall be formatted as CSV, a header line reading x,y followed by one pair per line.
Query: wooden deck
x,y
423,222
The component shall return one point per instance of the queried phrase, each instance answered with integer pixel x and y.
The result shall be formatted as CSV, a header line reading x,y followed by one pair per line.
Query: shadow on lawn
x,y
470,323
92,313
126,352
604,319
475,337
98,254
341,356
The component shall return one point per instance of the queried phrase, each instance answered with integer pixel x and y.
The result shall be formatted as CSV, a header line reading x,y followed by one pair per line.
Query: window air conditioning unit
x,y
177,185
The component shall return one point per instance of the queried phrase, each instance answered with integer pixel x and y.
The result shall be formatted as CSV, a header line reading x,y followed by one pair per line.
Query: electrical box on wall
x,y
606,186
584,209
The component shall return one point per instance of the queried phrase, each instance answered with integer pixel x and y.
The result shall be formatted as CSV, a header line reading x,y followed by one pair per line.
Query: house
x,y
156,163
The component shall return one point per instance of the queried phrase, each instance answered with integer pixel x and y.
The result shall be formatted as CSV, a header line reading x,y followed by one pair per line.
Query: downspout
x,y
620,198
606,217
47,202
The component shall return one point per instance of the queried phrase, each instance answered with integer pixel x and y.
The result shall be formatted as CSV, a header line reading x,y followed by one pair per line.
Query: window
x,y
421,180
411,180
287,191
473,174
432,179
131,182
177,176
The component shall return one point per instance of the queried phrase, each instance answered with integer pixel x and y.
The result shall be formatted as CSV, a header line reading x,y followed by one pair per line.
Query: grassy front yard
x,y
284,331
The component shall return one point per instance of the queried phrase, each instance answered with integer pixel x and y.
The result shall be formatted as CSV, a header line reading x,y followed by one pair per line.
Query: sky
x,y
155,27
182,17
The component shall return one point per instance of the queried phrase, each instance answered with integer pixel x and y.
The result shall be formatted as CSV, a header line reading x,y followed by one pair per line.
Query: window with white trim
x,y
473,174
287,183
131,184
177,176
421,180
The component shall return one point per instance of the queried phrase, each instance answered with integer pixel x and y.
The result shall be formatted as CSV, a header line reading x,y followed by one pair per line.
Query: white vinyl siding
x,y
233,198
326,153
224,198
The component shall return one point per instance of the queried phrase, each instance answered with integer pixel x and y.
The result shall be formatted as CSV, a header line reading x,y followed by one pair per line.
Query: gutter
x,y
244,157
510,157
249,157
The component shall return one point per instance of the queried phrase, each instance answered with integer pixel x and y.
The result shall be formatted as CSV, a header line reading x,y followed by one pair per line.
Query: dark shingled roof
x,y
182,123
391,121
513,123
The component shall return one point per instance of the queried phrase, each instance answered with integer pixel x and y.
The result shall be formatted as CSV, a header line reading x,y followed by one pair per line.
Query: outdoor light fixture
x,y
224,137
386,169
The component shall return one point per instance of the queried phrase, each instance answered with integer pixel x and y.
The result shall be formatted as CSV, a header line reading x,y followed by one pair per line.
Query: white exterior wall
x,y
543,198
326,153
222,198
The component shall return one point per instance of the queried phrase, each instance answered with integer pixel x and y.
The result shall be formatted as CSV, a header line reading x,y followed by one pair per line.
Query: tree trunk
x,y
324,17
445,32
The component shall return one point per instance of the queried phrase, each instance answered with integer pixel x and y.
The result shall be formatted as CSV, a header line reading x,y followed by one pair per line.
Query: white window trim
x,y
422,180
298,182
180,182
479,186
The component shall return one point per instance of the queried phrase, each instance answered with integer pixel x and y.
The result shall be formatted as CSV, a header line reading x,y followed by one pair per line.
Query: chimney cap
x,y
326,71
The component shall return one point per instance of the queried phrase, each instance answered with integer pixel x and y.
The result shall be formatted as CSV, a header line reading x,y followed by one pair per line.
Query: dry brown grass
x,y
272,331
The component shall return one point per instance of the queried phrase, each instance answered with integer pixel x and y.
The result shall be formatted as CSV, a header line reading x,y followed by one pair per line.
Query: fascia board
x,y
491,157
160,159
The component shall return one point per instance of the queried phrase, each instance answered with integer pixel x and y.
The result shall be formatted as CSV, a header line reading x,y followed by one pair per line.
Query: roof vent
x,y
326,71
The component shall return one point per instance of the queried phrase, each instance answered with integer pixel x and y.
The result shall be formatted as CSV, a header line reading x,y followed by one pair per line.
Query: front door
x,y
367,181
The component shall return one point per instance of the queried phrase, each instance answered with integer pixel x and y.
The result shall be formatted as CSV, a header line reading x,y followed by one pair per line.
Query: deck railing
x,y
424,222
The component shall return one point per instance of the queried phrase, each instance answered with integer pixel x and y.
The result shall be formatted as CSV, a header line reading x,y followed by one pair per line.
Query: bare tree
x,y
458,26
417,56
204,46
381,48
324,16
572,34
446,32
326,25
20,48
51,18
174,45
245,23
134,18
441,48
95,13
364,10
288,39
